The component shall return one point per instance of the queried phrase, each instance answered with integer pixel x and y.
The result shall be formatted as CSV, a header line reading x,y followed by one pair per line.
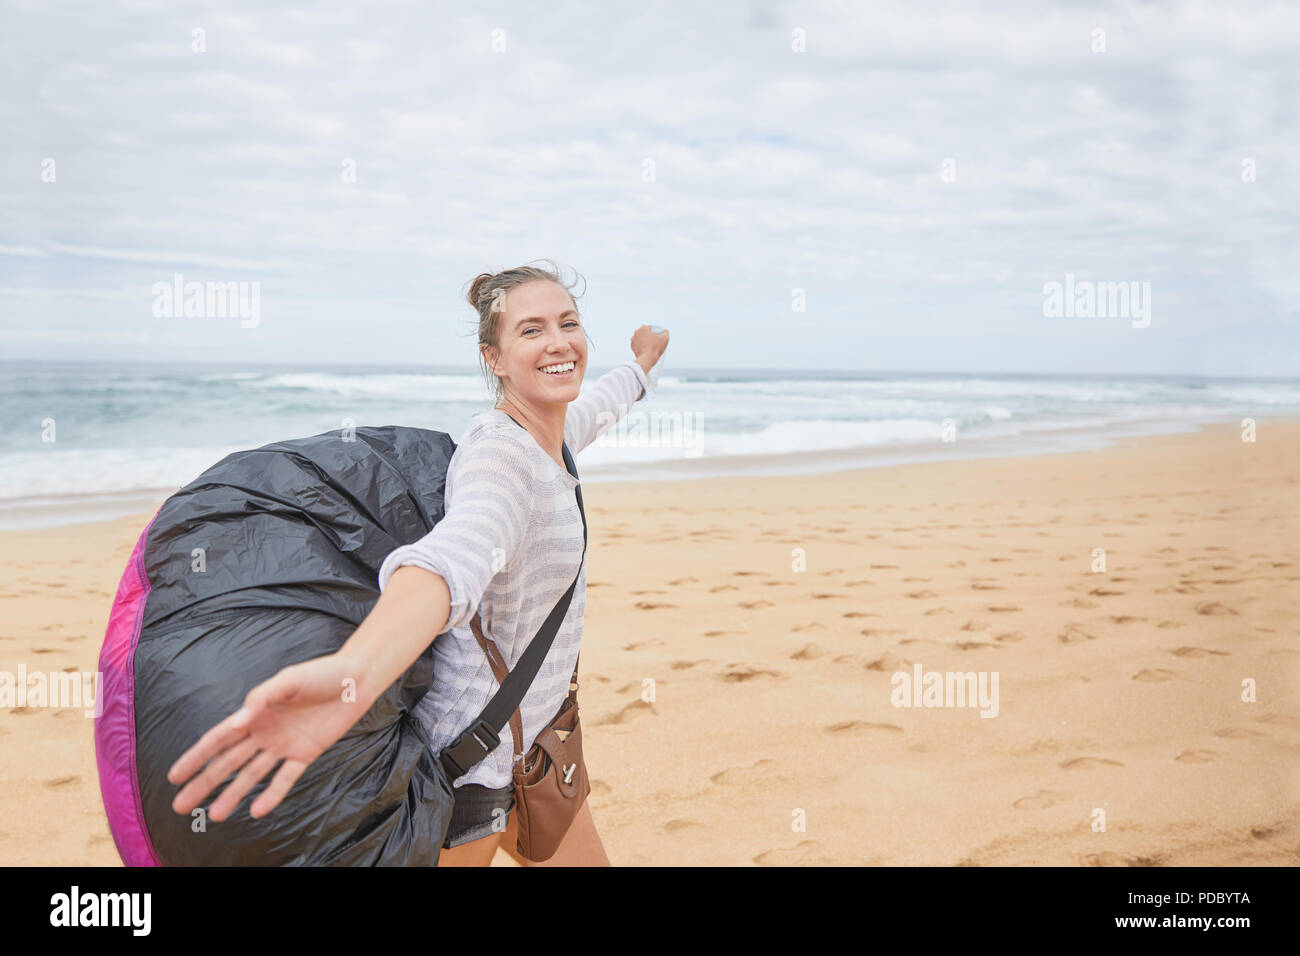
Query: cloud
x,y
920,170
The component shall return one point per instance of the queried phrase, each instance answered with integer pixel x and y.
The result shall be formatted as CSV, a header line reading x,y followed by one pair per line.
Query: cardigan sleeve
x,y
489,503
606,401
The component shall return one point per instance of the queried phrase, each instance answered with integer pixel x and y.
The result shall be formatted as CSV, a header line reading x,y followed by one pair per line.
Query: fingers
x,y
284,779
222,736
255,770
222,766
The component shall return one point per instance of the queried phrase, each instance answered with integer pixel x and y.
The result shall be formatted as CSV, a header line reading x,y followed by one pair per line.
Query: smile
x,y
562,369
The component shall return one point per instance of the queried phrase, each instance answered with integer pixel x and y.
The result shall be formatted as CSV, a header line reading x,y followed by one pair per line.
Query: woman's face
x,y
540,328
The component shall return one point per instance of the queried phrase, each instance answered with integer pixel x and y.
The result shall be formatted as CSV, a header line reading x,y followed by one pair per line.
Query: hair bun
x,y
476,288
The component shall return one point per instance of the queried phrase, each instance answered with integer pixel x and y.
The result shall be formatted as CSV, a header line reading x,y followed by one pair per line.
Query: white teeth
x,y
552,369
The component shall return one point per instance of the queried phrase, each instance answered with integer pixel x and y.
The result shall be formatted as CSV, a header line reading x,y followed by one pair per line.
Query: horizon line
x,y
671,373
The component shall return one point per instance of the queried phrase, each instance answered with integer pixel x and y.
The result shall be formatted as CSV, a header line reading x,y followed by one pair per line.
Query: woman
x,y
508,547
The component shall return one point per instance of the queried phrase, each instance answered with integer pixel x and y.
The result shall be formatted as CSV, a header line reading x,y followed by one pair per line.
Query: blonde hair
x,y
486,295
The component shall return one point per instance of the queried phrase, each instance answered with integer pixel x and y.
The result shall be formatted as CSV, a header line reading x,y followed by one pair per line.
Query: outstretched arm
x,y
612,395
426,588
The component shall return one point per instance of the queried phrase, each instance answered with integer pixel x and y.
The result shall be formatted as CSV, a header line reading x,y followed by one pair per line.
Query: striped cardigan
x,y
508,546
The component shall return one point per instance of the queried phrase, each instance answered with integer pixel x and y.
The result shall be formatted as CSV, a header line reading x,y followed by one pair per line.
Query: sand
x,y
738,711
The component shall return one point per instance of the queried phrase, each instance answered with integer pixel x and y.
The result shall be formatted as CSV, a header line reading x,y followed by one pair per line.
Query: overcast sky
x,y
919,172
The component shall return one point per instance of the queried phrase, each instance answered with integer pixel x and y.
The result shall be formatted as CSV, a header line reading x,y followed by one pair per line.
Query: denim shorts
x,y
472,816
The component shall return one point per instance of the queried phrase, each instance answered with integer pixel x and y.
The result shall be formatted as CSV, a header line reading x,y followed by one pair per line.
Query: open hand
x,y
292,717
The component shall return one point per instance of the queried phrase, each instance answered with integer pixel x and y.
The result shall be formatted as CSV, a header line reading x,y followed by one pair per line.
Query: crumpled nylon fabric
x,y
269,558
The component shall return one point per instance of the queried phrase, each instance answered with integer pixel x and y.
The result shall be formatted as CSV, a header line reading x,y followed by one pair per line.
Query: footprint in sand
x,y
973,625
674,827
746,574
650,591
1116,859
1003,609
1154,675
937,610
1197,652
630,711
807,853
1237,733
884,567
1010,636
716,634
1073,635
637,645
686,665
723,587
809,652
651,605
889,662
599,788
986,587
57,782
753,605
1103,592
1214,609
1088,763
921,595
1280,720
873,631
861,727
1197,756
764,771
823,597
740,673
1040,800
1166,625
811,626
971,645
1124,619
859,614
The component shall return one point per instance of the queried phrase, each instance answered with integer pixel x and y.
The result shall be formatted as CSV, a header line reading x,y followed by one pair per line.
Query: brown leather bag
x,y
551,781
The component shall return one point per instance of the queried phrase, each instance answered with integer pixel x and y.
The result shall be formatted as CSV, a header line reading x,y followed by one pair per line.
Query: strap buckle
x,y
469,748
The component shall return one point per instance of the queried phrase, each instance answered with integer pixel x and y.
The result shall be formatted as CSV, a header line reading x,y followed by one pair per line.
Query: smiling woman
x,y
499,575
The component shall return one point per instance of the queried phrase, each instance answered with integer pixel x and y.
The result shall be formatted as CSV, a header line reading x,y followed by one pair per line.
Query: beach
x,y
1139,604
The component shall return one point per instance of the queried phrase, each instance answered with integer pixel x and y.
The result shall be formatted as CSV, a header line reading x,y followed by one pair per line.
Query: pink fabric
x,y
115,726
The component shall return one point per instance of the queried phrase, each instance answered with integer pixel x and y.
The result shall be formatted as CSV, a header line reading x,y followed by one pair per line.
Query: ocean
x,y
89,441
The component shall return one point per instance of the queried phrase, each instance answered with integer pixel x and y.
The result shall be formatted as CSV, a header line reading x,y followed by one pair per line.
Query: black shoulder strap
x,y
484,734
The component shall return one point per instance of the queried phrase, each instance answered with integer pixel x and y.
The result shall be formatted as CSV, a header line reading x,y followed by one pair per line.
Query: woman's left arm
x,y
611,396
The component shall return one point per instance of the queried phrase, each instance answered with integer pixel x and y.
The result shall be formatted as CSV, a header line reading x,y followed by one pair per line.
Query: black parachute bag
x,y
269,558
